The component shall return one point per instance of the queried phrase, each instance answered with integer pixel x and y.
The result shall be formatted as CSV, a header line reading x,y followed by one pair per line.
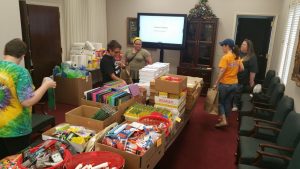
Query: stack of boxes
x,y
151,72
171,94
194,87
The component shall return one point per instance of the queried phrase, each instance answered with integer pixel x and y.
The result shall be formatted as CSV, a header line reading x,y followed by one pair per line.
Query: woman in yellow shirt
x,y
227,81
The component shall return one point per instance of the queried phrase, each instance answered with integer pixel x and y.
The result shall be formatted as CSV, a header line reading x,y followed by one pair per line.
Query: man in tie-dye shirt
x,y
17,96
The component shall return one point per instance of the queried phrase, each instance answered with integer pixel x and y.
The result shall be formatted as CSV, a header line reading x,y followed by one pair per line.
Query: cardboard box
x,y
70,91
170,102
132,161
90,103
82,116
171,87
48,135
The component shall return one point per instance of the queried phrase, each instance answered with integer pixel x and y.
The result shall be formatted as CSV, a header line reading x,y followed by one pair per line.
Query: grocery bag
x,y
212,101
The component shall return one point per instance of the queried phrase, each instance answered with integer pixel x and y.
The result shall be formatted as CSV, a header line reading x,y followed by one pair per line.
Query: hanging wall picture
x,y
296,70
131,29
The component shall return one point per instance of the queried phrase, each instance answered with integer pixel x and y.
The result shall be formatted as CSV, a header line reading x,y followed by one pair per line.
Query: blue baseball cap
x,y
228,42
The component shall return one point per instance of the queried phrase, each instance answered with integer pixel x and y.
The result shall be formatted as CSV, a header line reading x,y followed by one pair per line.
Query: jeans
x,y
226,93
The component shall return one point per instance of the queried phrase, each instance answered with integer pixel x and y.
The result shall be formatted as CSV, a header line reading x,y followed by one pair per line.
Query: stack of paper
x,y
153,71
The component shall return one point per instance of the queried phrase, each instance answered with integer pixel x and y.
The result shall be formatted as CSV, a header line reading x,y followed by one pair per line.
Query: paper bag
x,y
212,101
125,75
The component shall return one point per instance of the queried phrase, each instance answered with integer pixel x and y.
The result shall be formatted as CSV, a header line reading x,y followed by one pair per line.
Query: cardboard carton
x,y
90,103
70,91
132,161
170,102
171,87
83,116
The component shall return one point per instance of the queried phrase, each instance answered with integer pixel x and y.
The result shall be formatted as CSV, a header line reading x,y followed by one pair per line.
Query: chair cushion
x,y
247,125
249,146
246,108
242,166
246,97
40,121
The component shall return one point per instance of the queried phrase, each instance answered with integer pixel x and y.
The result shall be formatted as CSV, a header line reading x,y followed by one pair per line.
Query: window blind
x,y
289,39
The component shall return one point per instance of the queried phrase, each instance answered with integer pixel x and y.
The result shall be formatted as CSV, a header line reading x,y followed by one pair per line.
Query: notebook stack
x,y
111,96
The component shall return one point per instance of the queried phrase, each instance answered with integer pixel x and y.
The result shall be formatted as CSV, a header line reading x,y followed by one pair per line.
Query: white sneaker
x,y
234,108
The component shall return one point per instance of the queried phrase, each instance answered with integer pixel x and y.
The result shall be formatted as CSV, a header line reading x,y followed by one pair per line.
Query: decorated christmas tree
x,y
201,10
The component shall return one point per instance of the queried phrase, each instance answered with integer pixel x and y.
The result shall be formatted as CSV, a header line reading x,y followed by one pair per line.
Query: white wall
x,y
10,23
291,89
119,10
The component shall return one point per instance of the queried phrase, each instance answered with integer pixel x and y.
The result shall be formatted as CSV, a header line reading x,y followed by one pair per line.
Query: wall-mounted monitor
x,y
164,31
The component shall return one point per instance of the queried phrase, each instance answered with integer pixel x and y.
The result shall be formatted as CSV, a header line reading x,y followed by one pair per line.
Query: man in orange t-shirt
x,y
230,64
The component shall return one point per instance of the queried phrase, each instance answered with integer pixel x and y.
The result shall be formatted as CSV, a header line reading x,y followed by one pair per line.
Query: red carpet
x,y
200,145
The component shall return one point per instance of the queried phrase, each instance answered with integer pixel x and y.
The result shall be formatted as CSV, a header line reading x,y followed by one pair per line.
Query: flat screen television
x,y
164,31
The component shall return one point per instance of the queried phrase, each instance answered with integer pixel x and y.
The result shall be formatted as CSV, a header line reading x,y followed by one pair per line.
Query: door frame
x,y
60,5
272,37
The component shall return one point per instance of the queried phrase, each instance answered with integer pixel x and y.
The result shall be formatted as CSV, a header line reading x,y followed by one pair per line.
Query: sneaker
x,y
234,108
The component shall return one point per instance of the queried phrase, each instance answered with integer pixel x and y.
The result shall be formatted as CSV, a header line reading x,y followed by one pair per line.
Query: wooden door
x,y
45,42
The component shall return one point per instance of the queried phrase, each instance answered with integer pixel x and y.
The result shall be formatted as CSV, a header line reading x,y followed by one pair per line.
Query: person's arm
x,y
38,94
147,56
253,70
241,66
149,60
220,75
252,77
114,77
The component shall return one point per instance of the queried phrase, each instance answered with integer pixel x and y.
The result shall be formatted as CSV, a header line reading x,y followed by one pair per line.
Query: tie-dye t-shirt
x,y
15,87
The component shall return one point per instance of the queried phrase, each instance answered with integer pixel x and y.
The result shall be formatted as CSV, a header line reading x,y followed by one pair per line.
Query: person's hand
x,y
12,158
49,83
123,81
215,87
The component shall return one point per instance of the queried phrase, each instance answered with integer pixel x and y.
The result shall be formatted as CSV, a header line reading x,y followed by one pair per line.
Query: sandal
x,y
221,124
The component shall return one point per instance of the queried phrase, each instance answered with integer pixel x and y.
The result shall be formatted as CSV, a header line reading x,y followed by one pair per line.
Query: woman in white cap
x,y
227,81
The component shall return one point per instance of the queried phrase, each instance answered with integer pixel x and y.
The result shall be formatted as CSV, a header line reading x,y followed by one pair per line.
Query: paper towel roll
x,y
74,59
82,60
77,47
97,46
76,52
89,46
81,44
89,53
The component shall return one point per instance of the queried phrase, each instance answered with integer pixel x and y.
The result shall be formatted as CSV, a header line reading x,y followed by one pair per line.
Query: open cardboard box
x,y
49,135
90,103
133,161
82,116
171,87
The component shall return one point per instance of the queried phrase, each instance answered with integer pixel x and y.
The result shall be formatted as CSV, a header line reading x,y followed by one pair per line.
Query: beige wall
x,y
10,23
291,89
119,10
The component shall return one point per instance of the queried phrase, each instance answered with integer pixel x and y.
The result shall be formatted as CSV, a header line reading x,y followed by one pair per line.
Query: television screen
x,y
165,31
